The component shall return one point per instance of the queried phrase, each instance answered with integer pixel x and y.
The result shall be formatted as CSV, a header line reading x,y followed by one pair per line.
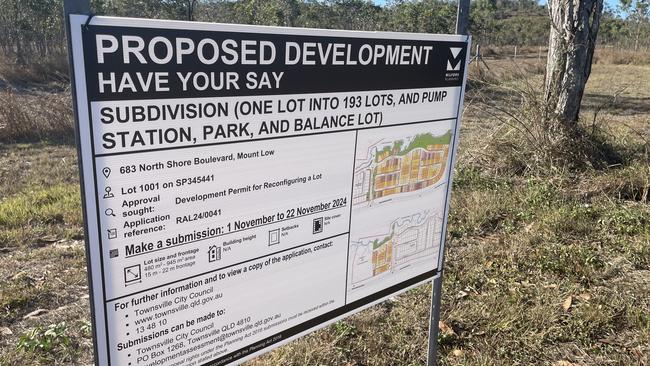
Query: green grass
x,y
42,260
54,344
20,294
45,340
41,206
40,213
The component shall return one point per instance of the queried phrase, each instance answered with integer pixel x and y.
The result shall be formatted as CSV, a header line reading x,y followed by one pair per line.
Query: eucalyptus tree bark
x,y
574,29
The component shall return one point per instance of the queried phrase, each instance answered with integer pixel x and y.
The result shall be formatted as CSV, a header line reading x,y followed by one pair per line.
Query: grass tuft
x,y
529,141
50,69
29,118
40,213
45,340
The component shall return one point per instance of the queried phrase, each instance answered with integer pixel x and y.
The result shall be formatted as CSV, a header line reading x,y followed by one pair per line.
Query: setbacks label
x,y
244,186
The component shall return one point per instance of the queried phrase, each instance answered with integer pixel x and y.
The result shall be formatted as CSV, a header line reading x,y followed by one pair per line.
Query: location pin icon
x,y
106,171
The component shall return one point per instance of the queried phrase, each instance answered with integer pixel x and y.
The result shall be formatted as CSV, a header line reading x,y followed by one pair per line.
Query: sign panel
x,y
247,185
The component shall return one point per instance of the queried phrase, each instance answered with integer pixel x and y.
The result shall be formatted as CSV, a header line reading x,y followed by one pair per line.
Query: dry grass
x,y
36,117
526,139
53,279
628,184
617,56
607,55
51,69
520,137
504,70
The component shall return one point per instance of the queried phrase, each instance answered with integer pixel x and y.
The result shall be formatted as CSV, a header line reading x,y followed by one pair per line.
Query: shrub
x,y
529,140
53,68
44,340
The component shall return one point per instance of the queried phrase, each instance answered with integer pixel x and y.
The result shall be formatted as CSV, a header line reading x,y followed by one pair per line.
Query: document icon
x,y
274,237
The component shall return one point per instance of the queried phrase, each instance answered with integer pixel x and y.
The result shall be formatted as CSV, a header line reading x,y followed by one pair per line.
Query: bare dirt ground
x,y
551,270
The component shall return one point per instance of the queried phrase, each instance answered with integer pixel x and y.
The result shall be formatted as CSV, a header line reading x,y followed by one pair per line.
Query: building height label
x,y
244,186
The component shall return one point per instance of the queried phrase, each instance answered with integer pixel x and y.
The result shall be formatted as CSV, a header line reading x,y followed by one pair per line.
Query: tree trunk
x,y
637,36
574,28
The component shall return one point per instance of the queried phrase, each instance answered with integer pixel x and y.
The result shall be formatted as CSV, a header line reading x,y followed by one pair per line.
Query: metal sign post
x,y
462,17
462,27
79,7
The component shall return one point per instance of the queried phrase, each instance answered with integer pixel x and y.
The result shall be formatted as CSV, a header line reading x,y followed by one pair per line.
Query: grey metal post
x,y
434,319
462,27
79,7
75,7
462,17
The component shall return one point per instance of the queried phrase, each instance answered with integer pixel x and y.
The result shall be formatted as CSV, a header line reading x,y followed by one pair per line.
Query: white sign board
x,y
244,185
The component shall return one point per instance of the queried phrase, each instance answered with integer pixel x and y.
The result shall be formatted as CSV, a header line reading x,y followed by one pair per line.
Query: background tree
x,y
354,15
572,40
428,16
266,12
31,29
638,13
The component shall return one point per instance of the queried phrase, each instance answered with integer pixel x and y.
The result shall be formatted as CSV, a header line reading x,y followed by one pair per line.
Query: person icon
x,y
108,193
